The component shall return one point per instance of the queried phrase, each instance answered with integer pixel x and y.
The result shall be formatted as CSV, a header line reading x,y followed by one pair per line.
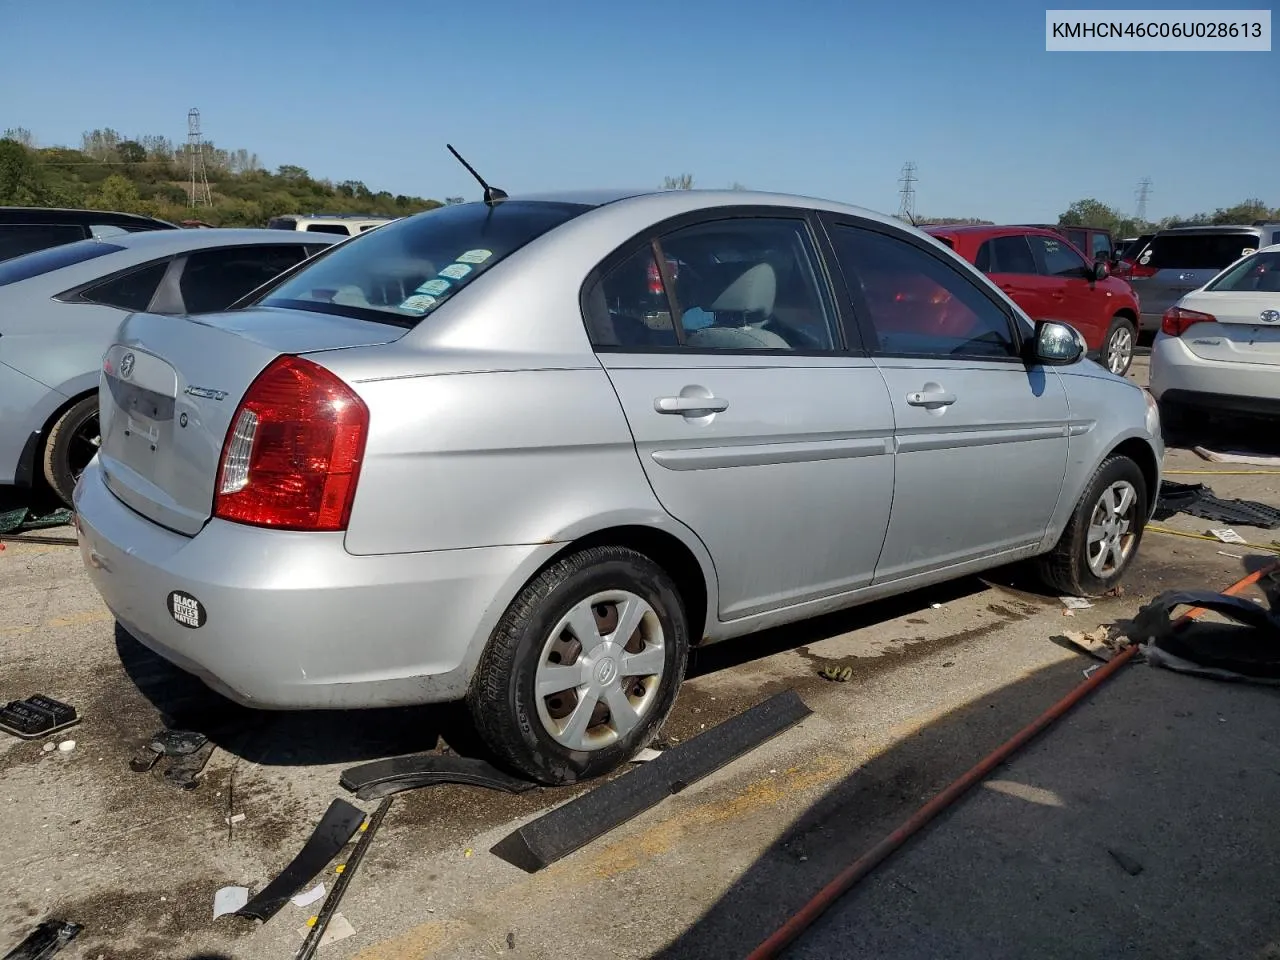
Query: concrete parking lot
x,y
1180,774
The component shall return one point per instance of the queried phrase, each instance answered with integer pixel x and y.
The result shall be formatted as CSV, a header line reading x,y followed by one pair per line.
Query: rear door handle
x,y
687,405
930,399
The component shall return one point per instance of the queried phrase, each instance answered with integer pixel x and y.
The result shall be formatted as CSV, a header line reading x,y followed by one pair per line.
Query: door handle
x,y
687,405
928,398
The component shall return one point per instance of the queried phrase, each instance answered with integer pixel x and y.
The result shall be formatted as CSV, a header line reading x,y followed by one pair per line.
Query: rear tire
x,y
1117,348
603,695
1067,568
72,443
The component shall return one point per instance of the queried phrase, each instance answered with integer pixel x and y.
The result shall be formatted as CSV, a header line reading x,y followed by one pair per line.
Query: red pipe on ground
x,y
848,877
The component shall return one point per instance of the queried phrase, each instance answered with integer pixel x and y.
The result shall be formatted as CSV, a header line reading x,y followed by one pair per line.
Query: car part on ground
x,y
1198,500
1247,649
36,717
563,830
332,833
166,743
382,778
45,941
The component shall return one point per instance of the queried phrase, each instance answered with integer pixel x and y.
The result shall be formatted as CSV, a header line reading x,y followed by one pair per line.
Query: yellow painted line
x,y
80,619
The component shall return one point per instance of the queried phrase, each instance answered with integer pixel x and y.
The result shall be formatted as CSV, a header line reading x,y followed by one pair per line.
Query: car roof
x,y
74,215
989,229
1241,228
159,242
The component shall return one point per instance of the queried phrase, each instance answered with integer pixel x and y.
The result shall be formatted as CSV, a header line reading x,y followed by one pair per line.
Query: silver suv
x,y
1182,259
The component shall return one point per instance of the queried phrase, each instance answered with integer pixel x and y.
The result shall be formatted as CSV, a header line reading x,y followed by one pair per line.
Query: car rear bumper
x,y
293,621
1182,381
1150,321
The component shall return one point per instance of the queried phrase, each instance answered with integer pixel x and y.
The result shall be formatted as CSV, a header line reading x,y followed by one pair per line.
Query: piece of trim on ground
x,y
1198,500
36,717
330,905
373,781
566,828
1248,649
335,830
45,940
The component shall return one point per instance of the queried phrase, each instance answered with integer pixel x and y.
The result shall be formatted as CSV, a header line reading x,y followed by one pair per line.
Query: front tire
x,y
1117,349
583,667
72,443
1103,534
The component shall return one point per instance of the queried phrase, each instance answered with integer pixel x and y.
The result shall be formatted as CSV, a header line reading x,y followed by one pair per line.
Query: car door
x,y
1073,295
981,437
1009,263
756,424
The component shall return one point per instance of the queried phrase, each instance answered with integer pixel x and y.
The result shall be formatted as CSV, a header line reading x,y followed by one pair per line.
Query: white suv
x,y
343,225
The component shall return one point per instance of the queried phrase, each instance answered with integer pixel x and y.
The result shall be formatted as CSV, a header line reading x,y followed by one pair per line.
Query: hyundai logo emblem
x,y
126,366
1269,316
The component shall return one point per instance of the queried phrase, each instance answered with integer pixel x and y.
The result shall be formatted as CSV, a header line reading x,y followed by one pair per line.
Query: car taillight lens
x,y
1176,321
1138,270
292,456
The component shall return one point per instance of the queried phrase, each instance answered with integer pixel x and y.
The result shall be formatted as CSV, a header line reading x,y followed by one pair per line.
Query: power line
x,y
907,205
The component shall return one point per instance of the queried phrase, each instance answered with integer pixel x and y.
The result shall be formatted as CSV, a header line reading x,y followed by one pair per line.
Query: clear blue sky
x,y
819,97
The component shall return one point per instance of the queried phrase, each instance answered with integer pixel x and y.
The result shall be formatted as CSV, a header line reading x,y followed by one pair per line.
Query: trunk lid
x,y
170,387
1240,335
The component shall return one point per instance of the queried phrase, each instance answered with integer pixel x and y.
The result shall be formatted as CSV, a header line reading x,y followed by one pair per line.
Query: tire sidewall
x,y
57,469
558,763
1118,468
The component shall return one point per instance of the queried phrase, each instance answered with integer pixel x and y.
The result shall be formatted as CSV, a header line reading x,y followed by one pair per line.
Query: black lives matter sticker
x,y
187,610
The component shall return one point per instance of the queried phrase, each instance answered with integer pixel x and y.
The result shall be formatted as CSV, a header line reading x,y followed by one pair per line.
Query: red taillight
x,y
1138,270
1176,321
292,455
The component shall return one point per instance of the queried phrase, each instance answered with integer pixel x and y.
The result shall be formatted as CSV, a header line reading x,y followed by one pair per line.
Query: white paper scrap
x,y
1075,603
308,897
1227,535
229,900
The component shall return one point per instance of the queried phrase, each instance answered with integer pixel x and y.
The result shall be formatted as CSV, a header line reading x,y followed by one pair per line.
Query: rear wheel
x,y
583,667
72,443
1102,536
1117,349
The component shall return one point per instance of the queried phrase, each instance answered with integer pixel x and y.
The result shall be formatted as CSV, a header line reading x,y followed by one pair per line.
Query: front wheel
x,y
583,667
72,443
1102,536
1117,349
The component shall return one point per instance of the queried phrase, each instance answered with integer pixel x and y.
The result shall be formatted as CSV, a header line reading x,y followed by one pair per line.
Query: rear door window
x,y
130,291
1099,246
19,238
338,228
214,279
53,258
1058,257
1080,238
1006,255
1197,251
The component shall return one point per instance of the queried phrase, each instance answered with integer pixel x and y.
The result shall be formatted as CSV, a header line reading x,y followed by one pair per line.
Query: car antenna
x,y
491,194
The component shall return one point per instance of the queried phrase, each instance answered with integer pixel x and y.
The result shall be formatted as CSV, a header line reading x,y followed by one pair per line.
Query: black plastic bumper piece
x,y
45,940
1197,500
373,781
37,716
566,828
338,826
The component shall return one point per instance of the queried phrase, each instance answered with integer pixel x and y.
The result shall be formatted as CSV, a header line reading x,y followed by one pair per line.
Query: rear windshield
x,y
19,238
282,223
1198,251
1259,273
404,270
53,258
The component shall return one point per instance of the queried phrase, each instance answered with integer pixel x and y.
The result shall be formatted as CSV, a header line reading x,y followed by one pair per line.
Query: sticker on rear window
x,y
475,256
434,287
1247,251
419,303
455,271
1145,258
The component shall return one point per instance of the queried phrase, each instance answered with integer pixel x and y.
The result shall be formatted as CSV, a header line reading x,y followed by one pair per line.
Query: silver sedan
x,y
528,452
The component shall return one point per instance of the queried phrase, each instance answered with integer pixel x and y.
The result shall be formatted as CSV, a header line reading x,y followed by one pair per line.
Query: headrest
x,y
753,292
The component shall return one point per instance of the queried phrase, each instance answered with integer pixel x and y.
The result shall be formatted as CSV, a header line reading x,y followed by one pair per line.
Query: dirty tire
x,y
501,698
1065,568
61,453
1118,347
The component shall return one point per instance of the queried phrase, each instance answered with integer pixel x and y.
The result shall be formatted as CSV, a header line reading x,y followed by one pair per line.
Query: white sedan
x,y
1218,349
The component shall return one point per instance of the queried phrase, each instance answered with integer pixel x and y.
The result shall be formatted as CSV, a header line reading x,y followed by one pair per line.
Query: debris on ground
x,y
189,751
1098,643
381,778
36,717
646,754
45,940
20,519
233,820
228,900
1231,456
1246,649
1227,535
309,897
1127,863
66,746
339,928
1198,500
1075,603
838,674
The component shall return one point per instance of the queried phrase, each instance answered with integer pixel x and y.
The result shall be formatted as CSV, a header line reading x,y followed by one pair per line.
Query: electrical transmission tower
x,y
907,206
195,154
1144,193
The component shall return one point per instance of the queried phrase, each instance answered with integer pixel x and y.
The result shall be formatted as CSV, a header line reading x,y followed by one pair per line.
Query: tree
x,y
450,201
292,173
131,151
683,182
20,180
100,144
118,194
1245,212
22,135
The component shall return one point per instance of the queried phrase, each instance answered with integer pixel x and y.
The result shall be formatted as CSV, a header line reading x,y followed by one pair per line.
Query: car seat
x,y
741,311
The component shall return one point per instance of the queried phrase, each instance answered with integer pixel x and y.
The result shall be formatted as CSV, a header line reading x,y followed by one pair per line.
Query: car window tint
x,y
1101,246
1259,273
1079,238
337,228
1006,255
214,279
19,238
130,291
918,305
53,258
1060,260
749,284
628,306
1197,251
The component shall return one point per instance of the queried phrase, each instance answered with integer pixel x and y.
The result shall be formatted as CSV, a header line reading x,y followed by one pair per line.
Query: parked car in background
x,y
1128,250
479,453
1218,350
27,229
59,309
1182,259
1096,243
1051,280
344,225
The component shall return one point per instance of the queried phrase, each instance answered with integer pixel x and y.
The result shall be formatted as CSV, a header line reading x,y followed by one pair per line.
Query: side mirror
x,y
1056,344
1101,269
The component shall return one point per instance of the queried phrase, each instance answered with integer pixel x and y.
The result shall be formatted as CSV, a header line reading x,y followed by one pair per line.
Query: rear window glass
x,y
282,223
19,238
404,270
340,228
1197,251
1259,273
53,258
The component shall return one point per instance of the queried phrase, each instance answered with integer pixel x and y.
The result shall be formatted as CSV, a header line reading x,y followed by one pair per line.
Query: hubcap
x,y
1112,530
1120,350
84,445
600,670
